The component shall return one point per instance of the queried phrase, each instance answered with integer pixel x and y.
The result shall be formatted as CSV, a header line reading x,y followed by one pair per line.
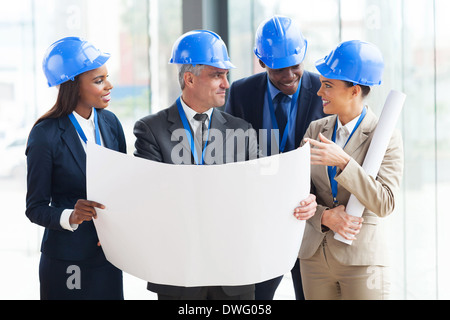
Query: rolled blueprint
x,y
377,149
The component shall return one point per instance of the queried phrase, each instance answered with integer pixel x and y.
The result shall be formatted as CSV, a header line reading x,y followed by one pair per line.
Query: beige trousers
x,y
324,278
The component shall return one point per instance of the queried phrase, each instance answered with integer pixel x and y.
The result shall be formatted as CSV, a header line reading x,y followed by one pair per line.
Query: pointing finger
x,y
323,139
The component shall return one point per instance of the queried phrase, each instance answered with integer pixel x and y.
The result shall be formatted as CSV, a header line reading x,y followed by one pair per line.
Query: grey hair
x,y
183,68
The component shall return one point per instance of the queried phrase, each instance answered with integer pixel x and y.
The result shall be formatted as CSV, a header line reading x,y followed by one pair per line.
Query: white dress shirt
x,y
190,113
88,127
343,132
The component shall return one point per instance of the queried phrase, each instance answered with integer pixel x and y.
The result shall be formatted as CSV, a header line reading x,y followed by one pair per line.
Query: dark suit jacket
x,y
247,96
57,180
155,142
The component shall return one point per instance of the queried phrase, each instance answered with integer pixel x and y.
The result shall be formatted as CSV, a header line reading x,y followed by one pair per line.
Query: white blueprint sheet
x,y
183,225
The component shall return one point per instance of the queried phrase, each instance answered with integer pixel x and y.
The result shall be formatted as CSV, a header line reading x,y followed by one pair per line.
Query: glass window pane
x,y
443,143
165,28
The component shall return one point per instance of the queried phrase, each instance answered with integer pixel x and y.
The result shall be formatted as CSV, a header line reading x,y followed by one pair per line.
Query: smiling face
x,y
95,91
206,90
286,79
340,98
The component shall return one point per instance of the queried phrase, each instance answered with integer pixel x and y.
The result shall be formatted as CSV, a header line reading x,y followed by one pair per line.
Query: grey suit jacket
x,y
377,195
159,138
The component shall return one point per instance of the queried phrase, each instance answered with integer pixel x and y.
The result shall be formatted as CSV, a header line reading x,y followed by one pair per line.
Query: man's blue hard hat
x,y
201,47
280,43
69,57
355,61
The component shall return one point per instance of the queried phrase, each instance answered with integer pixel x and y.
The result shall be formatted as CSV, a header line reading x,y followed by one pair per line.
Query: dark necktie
x,y
280,111
202,131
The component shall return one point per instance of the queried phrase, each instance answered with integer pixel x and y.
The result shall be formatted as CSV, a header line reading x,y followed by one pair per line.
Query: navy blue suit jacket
x,y
246,101
56,180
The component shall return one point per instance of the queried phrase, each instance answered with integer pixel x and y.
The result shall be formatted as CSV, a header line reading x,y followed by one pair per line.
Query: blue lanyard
x,y
282,146
332,170
190,136
80,131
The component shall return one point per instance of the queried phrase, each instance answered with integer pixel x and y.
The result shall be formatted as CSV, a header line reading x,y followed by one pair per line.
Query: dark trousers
x,y
266,290
93,279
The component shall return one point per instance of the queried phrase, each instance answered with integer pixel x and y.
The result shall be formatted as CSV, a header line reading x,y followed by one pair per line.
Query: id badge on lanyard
x,y
282,145
80,131
190,136
332,170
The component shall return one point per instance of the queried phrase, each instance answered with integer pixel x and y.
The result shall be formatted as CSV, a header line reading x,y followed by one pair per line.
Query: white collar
x,y
89,120
190,113
350,125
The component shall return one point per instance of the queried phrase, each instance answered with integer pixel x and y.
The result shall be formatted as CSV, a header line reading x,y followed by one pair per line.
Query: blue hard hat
x,y
201,47
69,57
354,61
280,43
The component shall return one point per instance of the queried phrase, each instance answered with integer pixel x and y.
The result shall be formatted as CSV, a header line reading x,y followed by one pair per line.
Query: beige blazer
x,y
377,195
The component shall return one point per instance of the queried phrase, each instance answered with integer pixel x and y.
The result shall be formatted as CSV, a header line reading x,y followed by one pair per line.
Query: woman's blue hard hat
x,y
69,57
355,61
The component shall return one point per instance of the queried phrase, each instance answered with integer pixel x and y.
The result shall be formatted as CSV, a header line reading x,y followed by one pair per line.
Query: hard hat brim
x,y
97,63
201,47
327,72
324,69
355,61
225,65
284,62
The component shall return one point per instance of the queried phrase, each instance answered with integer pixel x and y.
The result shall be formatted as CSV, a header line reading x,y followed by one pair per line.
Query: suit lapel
x,y
174,118
105,130
218,122
303,107
327,129
259,111
361,134
70,136
359,137
327,132
353,147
